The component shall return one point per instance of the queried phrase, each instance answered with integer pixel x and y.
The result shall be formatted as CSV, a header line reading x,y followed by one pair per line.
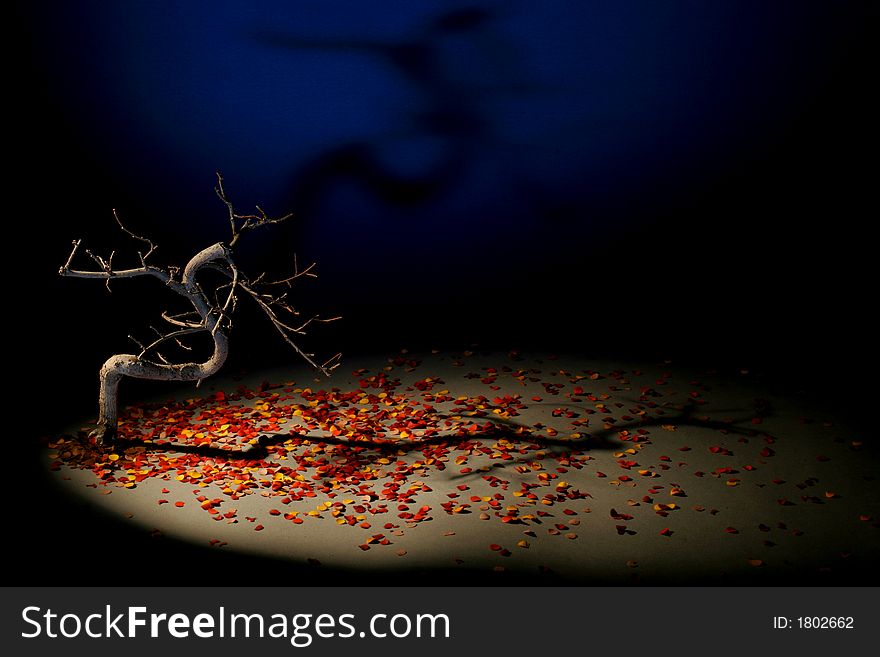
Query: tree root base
x,y
103,436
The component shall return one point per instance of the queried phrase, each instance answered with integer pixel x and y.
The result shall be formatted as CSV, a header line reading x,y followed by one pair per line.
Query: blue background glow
x,y
448,153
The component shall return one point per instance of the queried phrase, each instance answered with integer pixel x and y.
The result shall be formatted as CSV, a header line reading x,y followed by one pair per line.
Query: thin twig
x,y
143,257
239,223
174,319
170,336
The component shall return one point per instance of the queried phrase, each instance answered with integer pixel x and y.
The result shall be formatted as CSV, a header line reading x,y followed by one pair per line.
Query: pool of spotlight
x,y
512,464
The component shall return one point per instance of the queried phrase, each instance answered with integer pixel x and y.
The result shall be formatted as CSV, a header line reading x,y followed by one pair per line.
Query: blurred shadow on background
x,y
447,127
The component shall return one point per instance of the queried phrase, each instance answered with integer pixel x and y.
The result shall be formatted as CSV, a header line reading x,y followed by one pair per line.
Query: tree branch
x,y
174,319
239,223
125,230
174,335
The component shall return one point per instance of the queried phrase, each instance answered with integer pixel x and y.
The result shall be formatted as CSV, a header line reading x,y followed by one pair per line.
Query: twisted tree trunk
x,y
207,315
122,365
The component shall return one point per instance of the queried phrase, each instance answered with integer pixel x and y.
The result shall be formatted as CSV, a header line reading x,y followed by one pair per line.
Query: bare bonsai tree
x,y
210,314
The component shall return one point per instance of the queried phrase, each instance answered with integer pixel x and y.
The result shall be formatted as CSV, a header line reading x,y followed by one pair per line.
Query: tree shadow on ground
x,y
366,452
